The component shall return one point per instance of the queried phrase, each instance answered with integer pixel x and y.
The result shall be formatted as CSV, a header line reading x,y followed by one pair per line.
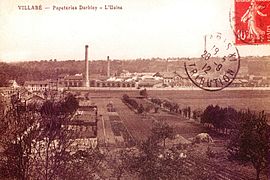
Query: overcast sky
x,y
142,29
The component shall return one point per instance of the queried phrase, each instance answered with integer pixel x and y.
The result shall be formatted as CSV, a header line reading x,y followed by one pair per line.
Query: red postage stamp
x,y
252,22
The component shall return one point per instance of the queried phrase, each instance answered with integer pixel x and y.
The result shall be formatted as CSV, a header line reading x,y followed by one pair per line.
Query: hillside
x,y
39,70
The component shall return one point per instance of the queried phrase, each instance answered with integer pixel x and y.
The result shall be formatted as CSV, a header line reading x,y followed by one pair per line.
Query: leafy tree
x,y
140,109
125,97
197,113
156,108
10,72
3,79
131,102
148,108
143,93
207,116
188,112
154,162
231,118
220,118
175,107
119,161
168,105
161,131
70,104
250,141
156,101
83,164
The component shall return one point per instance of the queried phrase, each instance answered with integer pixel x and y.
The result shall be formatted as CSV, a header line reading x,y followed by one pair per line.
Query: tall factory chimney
x,y
109,66
86,67
167,65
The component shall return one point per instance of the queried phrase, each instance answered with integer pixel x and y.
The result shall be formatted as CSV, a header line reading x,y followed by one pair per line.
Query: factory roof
x,y
36,82
74,77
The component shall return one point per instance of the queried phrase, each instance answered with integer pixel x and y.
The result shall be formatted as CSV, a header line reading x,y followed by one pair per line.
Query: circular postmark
x,y
218,65
250,22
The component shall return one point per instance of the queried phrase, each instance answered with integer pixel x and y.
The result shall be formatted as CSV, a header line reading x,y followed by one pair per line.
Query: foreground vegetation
x,y
153,158
35,143
249,134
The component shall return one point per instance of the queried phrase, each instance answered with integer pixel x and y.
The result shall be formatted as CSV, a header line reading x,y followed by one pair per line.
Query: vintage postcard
x,y
125,89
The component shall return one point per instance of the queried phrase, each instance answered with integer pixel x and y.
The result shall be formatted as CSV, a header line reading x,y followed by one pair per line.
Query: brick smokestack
x,y
86,67
109,66
167,65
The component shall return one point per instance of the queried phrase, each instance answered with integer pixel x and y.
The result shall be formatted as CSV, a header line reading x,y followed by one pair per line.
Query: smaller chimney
x,y
86,67
109,66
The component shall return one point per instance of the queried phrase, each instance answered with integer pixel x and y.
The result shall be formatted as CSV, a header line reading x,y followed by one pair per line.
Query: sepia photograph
x,y
134,90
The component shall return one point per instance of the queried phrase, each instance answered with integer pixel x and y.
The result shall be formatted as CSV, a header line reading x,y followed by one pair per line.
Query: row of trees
x,y
172,107
249,139
133,103
220,118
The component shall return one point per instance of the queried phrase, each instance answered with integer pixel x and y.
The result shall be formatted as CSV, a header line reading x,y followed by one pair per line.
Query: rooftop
x,y
74,77
36,82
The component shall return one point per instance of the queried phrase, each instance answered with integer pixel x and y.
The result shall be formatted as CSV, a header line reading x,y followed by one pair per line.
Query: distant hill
x,y
40,70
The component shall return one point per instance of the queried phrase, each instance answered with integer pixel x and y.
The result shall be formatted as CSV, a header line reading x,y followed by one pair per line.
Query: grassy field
x,y
133,126
135,123
252,99
199,99
240,99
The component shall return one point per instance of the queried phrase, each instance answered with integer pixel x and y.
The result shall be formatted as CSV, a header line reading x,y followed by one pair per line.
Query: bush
x,y
143,93
140,109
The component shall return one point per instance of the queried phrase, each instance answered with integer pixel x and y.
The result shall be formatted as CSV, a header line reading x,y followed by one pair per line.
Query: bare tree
x,y
17,132
37,144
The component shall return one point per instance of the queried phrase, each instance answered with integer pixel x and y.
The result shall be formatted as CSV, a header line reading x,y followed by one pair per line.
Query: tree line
x,y
172,107
133,103
50,69
222,119
249,134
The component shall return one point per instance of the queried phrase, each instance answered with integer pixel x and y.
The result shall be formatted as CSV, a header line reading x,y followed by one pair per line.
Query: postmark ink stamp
x,y
218,65
250,20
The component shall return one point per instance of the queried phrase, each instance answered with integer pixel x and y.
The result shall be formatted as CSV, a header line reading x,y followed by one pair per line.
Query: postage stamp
x,y
252,22
218,65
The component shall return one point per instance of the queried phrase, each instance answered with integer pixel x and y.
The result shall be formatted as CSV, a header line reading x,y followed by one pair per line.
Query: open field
x,y
239,99
122,127
135,123
199,99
